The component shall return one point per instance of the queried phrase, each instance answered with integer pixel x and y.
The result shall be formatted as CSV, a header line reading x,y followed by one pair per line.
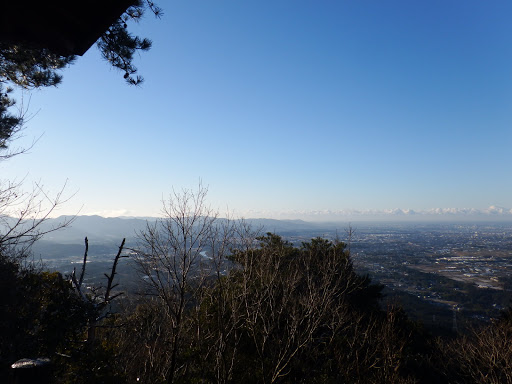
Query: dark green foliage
x,y
29,68
9,123
282,314
26,68
141,340
117,45
291,314
40,315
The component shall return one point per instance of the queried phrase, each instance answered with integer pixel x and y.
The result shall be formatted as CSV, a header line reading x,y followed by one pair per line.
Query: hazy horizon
x,y
437,214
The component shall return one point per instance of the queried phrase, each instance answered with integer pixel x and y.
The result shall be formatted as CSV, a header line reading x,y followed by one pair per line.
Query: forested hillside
x,y
220,302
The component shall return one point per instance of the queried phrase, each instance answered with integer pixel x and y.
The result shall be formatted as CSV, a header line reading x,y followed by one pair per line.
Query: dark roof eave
x,y
61,26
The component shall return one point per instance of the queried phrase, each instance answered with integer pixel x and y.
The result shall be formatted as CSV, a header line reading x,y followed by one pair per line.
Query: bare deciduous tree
x,y
23,216
292,298
220,322
100,297
172,255
483,356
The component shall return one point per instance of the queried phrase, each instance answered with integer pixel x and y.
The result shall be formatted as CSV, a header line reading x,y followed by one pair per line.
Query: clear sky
x,y
288,106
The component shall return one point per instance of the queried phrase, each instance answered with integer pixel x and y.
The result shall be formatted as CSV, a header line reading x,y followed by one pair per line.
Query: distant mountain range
x,y
110,231
106,234
491,213
113,229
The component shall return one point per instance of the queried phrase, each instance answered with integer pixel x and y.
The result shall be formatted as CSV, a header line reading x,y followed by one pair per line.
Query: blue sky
x,y
288,106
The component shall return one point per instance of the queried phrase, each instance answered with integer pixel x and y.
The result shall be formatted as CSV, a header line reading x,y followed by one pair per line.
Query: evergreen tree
x,y
24,66
40,314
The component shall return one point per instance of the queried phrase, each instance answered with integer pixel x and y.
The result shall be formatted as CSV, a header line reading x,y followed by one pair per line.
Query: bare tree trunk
x,y
170,257
99,304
